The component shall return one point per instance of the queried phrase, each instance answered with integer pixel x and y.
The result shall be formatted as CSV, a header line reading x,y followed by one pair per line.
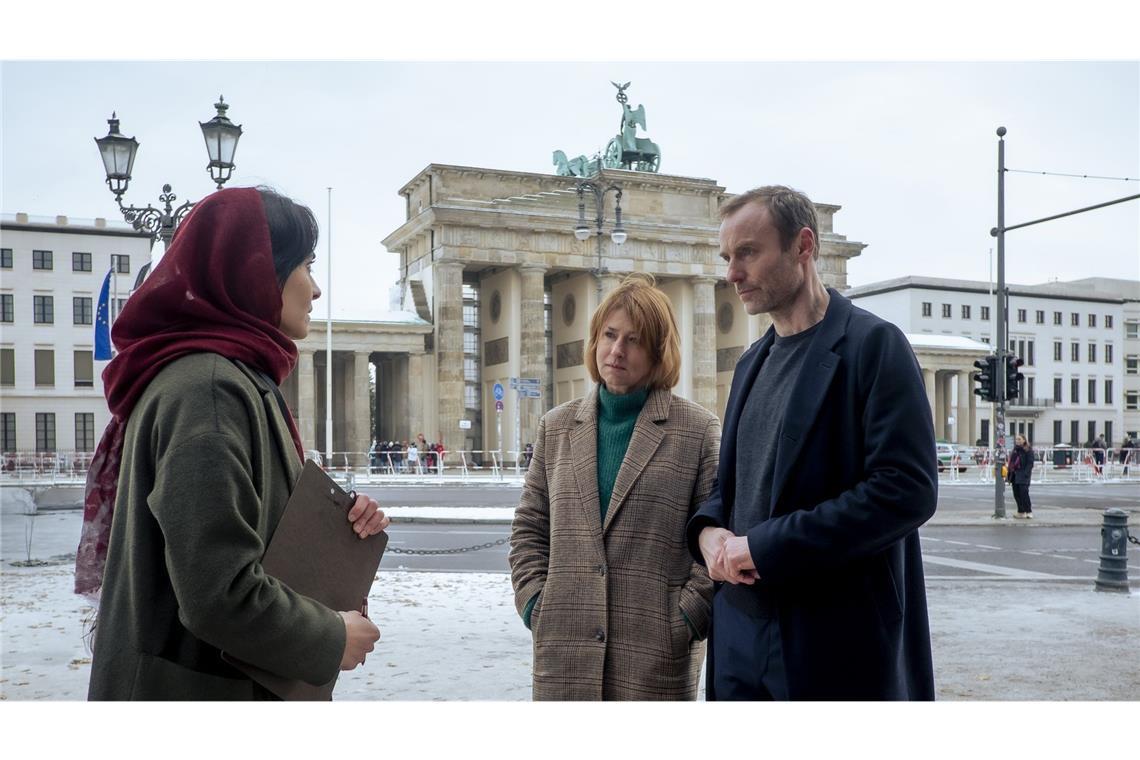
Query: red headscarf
x,y
214,291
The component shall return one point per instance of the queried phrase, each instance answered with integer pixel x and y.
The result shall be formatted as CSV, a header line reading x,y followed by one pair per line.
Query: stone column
x,y
942,429
704,342
928,381
413,421
449,352
532,343
360,431
306,400
964,414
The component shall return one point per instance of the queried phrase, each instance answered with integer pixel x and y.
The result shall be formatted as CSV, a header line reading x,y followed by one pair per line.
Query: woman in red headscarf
x,y
193,472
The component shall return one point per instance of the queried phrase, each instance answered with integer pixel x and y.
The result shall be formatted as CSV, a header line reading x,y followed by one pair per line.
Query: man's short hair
x,y
652,316
790,210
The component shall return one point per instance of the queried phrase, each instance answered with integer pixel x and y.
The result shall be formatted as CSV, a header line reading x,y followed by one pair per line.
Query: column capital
x,y
448,264
706,279
533,266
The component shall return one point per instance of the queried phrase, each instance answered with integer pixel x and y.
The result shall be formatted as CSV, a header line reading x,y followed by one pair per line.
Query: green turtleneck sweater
x,y
616,418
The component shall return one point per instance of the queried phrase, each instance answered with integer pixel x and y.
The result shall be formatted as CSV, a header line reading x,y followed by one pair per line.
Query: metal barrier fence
x,y
969,465
1061,464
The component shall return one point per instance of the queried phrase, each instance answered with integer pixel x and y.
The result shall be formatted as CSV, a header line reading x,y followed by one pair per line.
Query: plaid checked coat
x,y
608,623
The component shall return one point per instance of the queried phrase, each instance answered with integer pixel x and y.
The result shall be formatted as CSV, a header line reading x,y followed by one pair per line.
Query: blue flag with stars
x,y
103,321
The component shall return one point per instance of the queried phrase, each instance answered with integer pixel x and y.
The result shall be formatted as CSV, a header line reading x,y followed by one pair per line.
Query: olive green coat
x,y
613,596
208,464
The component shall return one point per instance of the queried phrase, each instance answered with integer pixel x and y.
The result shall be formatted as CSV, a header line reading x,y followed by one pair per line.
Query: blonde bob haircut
x,y
652,316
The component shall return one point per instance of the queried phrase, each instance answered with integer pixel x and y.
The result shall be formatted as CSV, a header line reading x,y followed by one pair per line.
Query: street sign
x,y
497,391
531,393
518,383
499,407
465,424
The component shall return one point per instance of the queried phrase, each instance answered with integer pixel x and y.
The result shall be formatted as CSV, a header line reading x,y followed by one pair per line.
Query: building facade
x,y
1080,365
51,272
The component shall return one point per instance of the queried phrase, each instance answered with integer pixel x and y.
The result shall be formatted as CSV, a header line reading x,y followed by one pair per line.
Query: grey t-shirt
x,y
758,434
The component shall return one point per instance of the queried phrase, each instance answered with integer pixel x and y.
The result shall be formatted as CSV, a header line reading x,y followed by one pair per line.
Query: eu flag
x,y
103,321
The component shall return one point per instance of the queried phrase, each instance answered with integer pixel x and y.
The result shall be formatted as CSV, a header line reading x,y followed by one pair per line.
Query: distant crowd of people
x,y
404,456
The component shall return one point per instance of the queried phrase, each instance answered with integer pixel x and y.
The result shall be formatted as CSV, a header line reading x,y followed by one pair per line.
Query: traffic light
x,y
985,378
1013,378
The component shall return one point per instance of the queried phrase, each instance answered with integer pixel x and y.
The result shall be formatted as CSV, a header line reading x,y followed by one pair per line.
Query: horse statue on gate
x,y
625,151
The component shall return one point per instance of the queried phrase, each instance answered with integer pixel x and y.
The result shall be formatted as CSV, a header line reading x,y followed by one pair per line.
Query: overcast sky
x,y
907,149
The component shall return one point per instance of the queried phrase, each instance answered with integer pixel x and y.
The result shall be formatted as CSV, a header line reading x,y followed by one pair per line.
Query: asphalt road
x,y
951,496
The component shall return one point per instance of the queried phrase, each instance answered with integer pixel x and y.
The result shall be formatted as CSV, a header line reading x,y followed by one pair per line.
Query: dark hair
x,y
790,210
293,232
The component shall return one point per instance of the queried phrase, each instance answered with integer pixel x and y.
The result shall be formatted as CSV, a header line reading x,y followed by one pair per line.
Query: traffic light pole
x,y
1002,351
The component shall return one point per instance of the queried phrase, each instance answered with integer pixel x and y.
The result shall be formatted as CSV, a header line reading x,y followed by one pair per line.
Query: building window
x,y
45,367
45,431
1056,390
926,306
986,339
965,311
81,310
121,263
1056,317
1132,329
1132,364
1075,432
7,431
1075,319
1108,391
1132,401
1075,390
1075,352
80,262
1057,350
1092,431
985,313
1108,353
1021,315
1092,320
41,260
7,367
1108,435
1056,432
1040,316
7,307
1108,321
1029,353
946,311
5,258
84,431
1092,390
1020,351
1092,353
1030,389
84,369
43,308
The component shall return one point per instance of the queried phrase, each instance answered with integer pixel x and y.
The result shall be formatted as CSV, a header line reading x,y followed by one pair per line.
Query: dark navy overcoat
x,y
855,476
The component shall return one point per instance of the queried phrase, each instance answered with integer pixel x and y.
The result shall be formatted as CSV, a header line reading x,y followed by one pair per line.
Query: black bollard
x,y
1112,575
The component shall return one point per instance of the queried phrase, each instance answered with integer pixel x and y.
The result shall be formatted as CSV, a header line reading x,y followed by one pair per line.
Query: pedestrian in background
x,y
617,607
1021,461
193,472
1126,453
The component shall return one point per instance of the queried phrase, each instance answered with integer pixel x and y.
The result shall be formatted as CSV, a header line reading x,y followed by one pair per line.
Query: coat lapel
x,y
742,378
647,436
584,463
810,388
286,450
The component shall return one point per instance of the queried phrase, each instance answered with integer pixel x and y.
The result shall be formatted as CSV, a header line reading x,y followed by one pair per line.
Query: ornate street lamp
x,y
118,152
583,232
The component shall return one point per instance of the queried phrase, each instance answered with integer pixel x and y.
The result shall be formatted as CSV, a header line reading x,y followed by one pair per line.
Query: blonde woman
x,y
601,573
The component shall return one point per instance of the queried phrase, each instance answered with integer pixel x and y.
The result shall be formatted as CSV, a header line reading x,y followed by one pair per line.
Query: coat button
x,y
601,569
600,635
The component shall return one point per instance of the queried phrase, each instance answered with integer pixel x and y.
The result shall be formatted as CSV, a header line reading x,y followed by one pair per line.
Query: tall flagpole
x,y
328,342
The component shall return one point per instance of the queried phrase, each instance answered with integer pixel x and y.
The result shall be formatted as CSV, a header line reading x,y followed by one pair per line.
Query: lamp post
x,y
118,152
583,232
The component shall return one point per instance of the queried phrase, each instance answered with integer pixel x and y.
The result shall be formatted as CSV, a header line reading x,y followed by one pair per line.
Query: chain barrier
x,y
1131,537
461,550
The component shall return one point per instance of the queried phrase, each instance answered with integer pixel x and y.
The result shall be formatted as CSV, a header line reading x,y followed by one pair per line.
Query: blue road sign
x,y
497,390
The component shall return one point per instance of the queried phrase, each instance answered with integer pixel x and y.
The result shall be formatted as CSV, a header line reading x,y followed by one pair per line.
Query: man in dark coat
x,y
827,469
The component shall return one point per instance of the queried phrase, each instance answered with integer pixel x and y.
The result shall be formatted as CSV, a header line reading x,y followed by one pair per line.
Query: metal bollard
x,y
1112,574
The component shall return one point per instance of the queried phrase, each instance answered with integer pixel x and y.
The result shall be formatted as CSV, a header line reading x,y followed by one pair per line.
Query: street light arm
x,y
995,230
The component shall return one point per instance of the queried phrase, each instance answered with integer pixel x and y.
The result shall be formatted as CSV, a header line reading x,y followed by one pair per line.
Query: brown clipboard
x,y
315,552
